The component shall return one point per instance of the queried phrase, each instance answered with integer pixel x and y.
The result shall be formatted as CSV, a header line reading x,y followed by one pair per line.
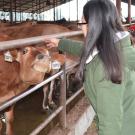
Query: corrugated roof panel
x,y
30,5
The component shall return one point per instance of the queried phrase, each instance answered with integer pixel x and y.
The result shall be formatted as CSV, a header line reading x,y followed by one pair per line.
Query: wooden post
x,y
129,11
63,98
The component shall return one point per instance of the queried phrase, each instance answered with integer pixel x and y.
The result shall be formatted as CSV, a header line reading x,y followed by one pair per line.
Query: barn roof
x,y
32,6
132,1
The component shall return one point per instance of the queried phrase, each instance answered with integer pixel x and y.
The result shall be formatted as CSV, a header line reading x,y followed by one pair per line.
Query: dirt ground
x,y
72,117
28,115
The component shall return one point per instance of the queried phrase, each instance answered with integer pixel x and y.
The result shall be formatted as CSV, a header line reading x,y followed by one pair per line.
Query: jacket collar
x,y
119,36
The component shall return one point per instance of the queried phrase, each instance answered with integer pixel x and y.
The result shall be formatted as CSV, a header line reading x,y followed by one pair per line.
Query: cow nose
x,y
40,56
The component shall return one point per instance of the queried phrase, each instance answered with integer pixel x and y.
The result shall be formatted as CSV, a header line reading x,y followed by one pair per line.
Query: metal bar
x,y
63,98
11,11
15,12
129,11
77,9
20,11
69,67
75,95
54,10
45,122
118,5
22,95
34,40
126,25
69,11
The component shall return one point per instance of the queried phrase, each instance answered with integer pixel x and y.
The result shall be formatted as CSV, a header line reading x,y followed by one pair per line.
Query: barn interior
x,y
15,8
27,119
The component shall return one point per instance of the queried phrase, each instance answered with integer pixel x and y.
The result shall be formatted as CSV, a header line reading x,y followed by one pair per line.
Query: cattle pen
x,y
31,23
5,45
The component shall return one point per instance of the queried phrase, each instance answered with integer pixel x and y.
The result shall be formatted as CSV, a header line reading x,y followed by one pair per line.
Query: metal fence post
x,y
63,98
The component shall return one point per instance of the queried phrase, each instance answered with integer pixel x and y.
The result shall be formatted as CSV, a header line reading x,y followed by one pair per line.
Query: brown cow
x,y
57,60
19,69
48,102
27,30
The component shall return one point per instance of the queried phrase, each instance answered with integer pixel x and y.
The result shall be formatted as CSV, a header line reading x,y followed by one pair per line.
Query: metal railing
x,y
126,25
63,102
4,45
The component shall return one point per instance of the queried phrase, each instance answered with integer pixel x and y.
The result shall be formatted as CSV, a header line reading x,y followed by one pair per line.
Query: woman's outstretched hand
x,y
50,43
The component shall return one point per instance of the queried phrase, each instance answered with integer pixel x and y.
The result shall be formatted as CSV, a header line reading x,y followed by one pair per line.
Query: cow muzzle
x,y
42,63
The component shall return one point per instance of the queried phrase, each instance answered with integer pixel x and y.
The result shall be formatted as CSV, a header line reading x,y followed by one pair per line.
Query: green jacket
x,y
114,104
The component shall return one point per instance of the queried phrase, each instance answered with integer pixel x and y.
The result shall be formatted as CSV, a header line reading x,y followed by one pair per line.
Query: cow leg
x,y
70,79
67,79
50,101
9,121
45,102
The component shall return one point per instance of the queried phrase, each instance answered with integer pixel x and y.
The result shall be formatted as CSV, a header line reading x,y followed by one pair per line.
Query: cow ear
x,y
59,57
25,50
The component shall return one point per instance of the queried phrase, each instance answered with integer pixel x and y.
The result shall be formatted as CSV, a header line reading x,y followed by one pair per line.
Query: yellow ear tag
x,y
8,57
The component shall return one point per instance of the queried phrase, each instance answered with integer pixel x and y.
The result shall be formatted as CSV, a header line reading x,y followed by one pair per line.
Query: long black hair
x,y
103,22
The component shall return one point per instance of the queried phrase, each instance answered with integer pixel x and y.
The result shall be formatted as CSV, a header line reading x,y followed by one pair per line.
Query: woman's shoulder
x,y
123,38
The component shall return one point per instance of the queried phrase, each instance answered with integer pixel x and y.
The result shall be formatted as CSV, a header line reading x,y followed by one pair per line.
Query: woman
x,y
106,67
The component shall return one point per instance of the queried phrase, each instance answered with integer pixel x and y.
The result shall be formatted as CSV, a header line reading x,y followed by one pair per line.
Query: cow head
x,y
34,63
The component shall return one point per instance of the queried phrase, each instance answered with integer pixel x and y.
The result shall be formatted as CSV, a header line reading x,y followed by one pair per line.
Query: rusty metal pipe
x,y
63,98
4,45
129,11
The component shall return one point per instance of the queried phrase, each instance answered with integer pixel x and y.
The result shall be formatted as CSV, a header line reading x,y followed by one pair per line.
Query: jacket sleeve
x,y
109,108
70,46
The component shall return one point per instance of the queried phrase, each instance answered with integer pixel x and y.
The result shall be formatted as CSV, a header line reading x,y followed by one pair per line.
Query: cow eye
x,y
40,56
25,51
